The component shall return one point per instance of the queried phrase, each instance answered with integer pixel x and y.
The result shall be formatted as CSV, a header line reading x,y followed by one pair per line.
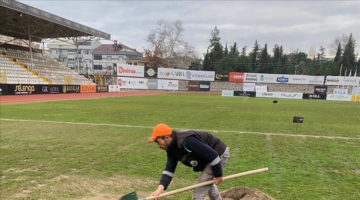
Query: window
x,y
70,50
129,63
97,57
109,67
108,58
97,67
135,63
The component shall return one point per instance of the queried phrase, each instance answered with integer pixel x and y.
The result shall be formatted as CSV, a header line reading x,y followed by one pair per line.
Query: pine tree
x,y
338,54
234,52
226,52
243,51
254,56
215,51
349,53
264,59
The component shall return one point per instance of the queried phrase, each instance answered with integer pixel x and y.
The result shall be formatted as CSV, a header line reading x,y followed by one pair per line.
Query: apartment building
x,y
107,56
65,53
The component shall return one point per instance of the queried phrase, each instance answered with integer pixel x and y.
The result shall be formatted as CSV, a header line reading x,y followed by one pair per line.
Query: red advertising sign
x,y
236,77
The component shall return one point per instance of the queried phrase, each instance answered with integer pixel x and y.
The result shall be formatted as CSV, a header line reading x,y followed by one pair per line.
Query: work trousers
x,y
207,175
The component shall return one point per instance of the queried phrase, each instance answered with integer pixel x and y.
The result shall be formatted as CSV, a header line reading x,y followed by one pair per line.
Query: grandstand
x,y
22,66
16,67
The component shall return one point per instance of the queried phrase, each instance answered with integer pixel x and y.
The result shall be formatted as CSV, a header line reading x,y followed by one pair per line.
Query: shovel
x,y
132,196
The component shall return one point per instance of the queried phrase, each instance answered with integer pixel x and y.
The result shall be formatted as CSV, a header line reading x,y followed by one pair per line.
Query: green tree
x,y
349,58
226,51
243,51
254,57
263,60
215,51
234,51
338,54
196,65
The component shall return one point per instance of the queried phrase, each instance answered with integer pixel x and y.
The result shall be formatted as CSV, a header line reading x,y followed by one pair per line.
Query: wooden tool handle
x,y
207,183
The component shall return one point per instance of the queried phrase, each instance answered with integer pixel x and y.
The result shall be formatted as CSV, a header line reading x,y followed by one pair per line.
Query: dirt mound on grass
x,y
244,193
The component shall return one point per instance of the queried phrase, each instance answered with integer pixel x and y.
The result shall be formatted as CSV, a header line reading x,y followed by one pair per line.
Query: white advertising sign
x,y
168,85
133,83
114,88
338,97
268,94
249,87
341,80
356,90
130,70
260,88
181,74
340,91
227,93
284,95
291,79
280,95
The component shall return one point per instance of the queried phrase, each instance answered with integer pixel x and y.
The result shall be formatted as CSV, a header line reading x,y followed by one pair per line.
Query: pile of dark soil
x,y
244,193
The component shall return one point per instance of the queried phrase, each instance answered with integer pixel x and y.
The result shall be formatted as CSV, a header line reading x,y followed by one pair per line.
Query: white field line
x,y
245,98
215,131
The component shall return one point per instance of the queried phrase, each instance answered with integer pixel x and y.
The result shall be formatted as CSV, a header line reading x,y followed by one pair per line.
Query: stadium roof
x,y
19,20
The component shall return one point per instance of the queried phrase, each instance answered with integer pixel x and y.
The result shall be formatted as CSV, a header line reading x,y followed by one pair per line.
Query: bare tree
x,y
166,47
343,39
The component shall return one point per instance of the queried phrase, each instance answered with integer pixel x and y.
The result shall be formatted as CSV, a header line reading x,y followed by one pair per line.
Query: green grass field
x,y
69,150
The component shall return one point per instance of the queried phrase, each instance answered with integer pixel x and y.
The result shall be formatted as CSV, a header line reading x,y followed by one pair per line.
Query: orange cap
x,y
160,130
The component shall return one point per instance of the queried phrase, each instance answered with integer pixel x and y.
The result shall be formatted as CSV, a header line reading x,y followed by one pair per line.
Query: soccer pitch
x,y
69,150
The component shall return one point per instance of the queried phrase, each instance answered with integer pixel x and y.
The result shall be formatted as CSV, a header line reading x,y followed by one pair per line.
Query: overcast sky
x,y
294,25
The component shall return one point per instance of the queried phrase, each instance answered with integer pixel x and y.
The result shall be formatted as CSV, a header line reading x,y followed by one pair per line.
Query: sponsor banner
x,y
284,95
151,72
4,89
284,78
153,84
356,90
281,95
357,97
194,85
338,97
168,85
180,74
71,89
314,96
222,77
340,91
51,89
268,94
341,80
236,77
24,89
102,88
227,93
320,89
260,88
88,88
249,87
114,88
133,83
250,77
130,70
244,94
204,86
